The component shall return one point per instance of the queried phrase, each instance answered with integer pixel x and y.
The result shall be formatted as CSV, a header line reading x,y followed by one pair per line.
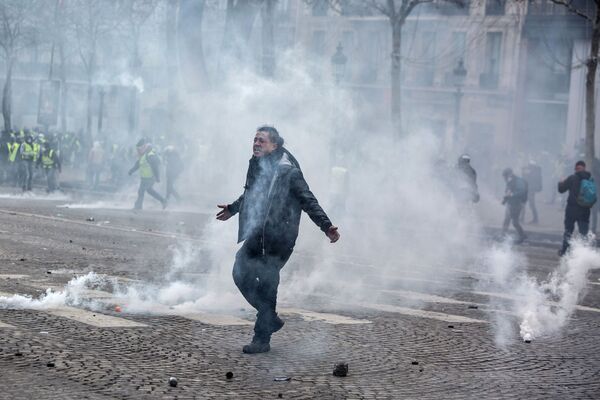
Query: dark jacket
x,y
572,185
274,197
533,175
516,191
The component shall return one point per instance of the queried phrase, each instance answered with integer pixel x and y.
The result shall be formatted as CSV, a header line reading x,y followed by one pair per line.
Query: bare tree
x,y
137,13
239,22
17,31
190,43
92,22
397,12
591,13
268,38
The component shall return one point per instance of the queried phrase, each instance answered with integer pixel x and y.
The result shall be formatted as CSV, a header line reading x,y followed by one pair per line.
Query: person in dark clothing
x,y
532,174
275,194
149,166
574,213
174,167
594,211
515,197
467,180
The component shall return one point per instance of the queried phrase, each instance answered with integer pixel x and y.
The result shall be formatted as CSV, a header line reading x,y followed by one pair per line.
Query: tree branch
x,y
569,5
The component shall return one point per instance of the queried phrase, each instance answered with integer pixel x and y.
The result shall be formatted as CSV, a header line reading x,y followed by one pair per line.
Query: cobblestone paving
x,y
395,356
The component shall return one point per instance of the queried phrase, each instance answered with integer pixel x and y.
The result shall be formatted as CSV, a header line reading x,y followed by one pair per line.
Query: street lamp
x,y
338,63
459,73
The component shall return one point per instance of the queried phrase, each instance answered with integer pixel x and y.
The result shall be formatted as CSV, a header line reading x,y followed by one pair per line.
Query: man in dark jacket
x,y
149,166
274,197
515,197
532,174
574,212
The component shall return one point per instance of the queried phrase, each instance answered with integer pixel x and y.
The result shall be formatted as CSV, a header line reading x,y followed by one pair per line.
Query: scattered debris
x,y
18,354
415,363
451,326
340,369
22,259
49,272
280,395
70,241
528,341
50,364
173,381
83,248
43,332
282,379
527,338
229,375
473,307
420,369
90,219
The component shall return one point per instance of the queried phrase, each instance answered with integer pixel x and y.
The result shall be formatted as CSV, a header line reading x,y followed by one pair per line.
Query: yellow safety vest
x,y
28,152
145,168
47,161
36,151
13,149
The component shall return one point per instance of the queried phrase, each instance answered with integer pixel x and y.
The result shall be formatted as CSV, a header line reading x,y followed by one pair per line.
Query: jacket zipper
x,y
268,210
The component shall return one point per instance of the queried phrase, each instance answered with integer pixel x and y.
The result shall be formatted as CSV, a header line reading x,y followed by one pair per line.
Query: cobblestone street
x,y
407,343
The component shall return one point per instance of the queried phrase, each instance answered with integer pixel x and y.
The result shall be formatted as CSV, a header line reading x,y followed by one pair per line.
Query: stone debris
x,y
340,369
90,219
282,379
173,381
415,363
229,375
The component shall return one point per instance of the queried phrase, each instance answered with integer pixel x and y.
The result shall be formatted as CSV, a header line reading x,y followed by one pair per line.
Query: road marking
x,y
425,314
328,318
13,276
429,298
94,318
3,325
516,298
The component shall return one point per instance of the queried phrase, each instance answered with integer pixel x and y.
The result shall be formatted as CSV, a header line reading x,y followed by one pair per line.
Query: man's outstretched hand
x,y
224,214
333,234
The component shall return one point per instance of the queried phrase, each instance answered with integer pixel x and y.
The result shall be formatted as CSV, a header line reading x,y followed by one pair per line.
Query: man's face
x,y
141,149
262,144
579,168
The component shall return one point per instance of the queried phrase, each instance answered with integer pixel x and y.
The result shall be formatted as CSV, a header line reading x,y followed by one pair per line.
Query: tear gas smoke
x,y
543,308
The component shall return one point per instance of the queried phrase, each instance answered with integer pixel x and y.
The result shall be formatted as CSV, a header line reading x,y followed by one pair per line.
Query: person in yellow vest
x,y
13,150
50,163
27,155
149,166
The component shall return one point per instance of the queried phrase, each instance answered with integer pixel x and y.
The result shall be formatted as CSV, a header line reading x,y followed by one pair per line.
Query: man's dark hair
x,y
273,134
580,163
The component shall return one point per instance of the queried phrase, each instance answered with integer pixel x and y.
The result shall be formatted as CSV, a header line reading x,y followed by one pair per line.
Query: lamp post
x,y
338,66
459,73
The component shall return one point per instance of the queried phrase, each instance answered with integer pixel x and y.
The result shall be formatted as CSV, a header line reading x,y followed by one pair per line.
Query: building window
x,y
317,45
494,7
489,78
319,8
426,69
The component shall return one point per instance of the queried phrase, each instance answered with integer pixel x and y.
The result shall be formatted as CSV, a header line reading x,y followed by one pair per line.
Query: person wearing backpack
x,y
515,198
581,199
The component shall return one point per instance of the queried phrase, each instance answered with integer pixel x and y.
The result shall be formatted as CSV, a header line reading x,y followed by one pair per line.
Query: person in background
x,y
148,164
49,160
515,196
95,164
577,210
532,174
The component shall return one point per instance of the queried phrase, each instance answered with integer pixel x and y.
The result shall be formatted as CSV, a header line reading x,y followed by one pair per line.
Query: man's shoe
x,y
256,347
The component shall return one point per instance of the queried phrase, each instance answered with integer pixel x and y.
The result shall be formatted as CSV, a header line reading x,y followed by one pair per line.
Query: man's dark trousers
x,y
513,212
575,213
257,277
146,186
